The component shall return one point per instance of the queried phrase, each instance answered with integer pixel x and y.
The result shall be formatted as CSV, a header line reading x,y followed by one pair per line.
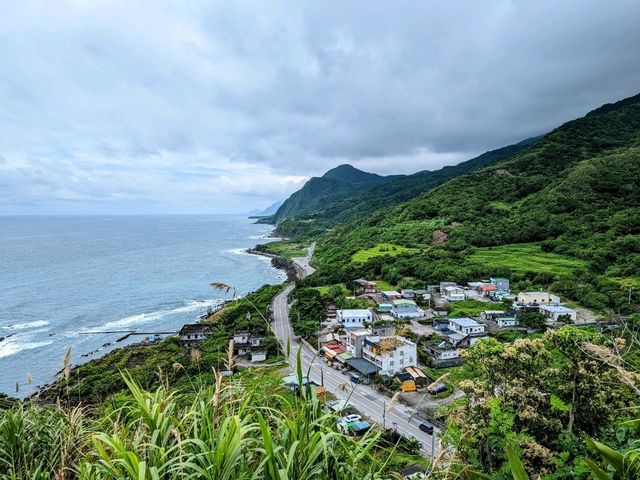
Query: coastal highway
x,y
370,402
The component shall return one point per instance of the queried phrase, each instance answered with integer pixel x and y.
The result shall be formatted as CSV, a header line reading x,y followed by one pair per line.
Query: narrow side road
x,y
367,400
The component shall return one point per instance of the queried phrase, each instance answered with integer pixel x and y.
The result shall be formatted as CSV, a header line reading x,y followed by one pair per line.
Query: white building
x,y
406,309
392,354
465,326
505,322
454,293
554,312
248,344
354,340
501,317
354,317
540,298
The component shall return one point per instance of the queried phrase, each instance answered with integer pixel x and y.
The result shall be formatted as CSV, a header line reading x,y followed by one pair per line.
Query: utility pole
x,y
322,376
384,414
433,444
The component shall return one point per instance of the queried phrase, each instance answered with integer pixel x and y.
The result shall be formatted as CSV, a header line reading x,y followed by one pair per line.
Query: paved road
x,y
368,401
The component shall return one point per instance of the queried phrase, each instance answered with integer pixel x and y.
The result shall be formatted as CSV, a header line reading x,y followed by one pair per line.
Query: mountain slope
x,y
407,187
320,192
350,174
332,198
575,193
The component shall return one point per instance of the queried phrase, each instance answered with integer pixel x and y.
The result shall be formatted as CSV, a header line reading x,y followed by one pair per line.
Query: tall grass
x,y
222,431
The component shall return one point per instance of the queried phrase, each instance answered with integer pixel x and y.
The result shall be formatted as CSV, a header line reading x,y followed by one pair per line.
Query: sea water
x,y
65,280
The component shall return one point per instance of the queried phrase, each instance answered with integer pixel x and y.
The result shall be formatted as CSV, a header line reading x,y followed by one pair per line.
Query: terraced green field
x,y
287,249
382,249
525,257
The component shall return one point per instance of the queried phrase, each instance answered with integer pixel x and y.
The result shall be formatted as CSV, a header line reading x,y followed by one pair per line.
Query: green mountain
x,y
320,192
563,213
404,188
331,199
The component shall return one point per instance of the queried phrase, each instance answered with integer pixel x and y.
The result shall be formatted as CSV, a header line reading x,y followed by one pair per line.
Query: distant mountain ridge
x,y
346,193
267,212
321,192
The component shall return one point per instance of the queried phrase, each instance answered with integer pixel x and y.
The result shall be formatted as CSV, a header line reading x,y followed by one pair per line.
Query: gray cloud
x,y
153,107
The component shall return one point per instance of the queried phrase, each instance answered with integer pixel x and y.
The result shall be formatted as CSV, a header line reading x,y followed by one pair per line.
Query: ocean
x,y
63,280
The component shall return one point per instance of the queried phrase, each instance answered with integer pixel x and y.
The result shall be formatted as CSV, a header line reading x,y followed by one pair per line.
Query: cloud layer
x,y
212,107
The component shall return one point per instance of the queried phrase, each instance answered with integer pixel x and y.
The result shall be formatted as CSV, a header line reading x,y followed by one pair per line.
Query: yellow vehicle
x,y
408,386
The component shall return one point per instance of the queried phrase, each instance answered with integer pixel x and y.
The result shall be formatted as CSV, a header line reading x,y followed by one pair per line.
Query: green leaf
x,y
598,473
517,468
614,458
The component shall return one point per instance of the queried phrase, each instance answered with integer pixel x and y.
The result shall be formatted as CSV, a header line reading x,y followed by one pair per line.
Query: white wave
x,y
143,318
25,325
12,345
238,251
263,236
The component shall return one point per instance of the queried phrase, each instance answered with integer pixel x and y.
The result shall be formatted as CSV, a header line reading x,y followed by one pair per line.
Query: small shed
x,y
363,366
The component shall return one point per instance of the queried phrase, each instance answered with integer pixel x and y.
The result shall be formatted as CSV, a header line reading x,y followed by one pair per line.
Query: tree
x,y
629,286
533,320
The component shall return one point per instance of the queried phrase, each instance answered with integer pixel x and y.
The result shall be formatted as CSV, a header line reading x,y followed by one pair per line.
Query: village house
x,y
391,295
354,318
501,295
558,313
332,348
443,352
465,326
391,354
384,307
500,283
502,318
539,298
406,309
486,289
454,293
366,286
354,339
441,324
408,294
385,330
248,344
195,333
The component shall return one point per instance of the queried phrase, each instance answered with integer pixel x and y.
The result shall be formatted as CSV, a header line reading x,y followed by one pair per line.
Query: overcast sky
x,y
151,107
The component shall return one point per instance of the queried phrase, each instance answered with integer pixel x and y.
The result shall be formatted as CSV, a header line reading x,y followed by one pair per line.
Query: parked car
x,y
355,378
438,388
352,418
426,427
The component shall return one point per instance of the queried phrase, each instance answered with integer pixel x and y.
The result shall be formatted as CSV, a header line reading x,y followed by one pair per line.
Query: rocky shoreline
x,y
277,261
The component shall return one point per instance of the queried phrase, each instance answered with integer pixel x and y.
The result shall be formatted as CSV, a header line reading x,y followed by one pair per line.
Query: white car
x,y
352,418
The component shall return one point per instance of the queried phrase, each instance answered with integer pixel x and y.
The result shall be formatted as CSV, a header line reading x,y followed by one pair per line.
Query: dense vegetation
x,y
573,198
243,427
544,395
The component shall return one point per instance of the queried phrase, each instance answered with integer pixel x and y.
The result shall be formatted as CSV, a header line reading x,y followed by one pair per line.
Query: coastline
x,y
147,341
277,261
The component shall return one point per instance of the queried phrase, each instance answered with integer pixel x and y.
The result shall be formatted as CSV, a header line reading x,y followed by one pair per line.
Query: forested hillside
x,y
331,199
575,194
321,192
